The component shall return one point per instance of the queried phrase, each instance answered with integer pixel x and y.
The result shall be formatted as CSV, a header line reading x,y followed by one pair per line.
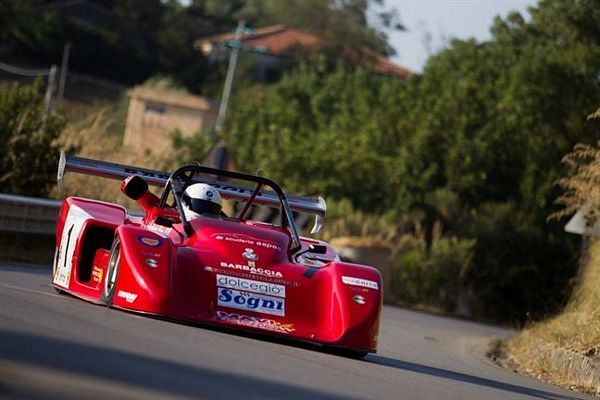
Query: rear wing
x,y
227,190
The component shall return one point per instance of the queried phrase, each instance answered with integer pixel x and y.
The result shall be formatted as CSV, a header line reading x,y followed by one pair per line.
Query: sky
x,y
431,23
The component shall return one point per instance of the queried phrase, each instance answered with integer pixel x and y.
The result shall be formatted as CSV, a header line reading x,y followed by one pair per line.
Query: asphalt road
x,y
56,346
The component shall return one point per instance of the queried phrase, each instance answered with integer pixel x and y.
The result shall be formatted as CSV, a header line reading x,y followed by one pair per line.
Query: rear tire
x,y
112,272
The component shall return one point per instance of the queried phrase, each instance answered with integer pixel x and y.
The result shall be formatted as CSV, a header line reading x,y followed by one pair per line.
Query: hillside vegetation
x,y
576,329
452,171
464,157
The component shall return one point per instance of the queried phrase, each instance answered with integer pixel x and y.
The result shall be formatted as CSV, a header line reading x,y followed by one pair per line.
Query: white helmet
x,y
201,198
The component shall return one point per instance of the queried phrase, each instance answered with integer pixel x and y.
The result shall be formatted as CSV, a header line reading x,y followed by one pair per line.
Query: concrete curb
x,y
562,367
581,370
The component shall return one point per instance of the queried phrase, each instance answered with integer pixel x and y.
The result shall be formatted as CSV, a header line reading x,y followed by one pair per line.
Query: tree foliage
x,y
27,150
317,132
470,150
131,40
475,143
340,23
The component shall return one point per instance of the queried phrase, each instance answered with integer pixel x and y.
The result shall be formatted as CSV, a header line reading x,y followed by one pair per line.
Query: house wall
x,y
268,68
150,121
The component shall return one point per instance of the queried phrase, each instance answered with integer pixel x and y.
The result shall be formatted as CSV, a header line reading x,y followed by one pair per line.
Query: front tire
x,y
110,281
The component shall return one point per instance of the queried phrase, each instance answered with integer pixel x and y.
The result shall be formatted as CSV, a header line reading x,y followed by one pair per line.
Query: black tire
x,y
348,353
112,272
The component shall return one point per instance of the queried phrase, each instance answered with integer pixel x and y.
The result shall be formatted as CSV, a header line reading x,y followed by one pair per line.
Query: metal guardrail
x,y
23,214
36,215
28,214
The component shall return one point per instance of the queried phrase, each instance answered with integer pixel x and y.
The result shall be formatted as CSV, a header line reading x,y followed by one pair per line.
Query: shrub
x,y
28,150
432,275
344,220
583,187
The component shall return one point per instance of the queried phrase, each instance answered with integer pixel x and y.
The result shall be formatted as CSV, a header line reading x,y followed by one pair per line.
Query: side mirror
x,y
314,249
317,249
134,187
164,221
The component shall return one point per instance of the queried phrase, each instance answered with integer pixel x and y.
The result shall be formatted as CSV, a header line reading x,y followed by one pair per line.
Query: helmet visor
x,y
201,206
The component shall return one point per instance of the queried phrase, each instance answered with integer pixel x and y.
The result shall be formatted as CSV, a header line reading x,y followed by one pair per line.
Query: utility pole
x,y
230,75
63,71
49,91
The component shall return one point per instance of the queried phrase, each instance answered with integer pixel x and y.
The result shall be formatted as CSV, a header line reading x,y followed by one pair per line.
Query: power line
x,y
22,71
50,86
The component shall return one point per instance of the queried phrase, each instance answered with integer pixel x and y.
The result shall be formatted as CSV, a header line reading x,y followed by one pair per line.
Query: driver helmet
x,y
201,199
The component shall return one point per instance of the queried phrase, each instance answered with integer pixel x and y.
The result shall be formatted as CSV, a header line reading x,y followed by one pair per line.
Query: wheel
x,y
110,281
54,269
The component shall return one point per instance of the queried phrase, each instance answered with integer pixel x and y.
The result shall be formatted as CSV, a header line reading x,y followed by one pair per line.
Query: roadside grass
x,y
565,349
92,138
576,330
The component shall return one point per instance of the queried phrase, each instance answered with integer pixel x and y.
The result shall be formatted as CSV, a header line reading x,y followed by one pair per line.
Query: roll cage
x,y
177,181
184,176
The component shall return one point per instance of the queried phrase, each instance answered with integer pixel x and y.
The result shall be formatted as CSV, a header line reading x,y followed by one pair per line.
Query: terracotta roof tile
x,y
276,39
383,65
279,39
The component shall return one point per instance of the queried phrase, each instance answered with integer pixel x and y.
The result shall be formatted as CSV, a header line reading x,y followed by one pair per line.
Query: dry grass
x,y
543,348
91,139
584,186
576,329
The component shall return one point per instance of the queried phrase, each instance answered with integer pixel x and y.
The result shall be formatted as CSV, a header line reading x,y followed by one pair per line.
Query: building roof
x,y
277,40
382,65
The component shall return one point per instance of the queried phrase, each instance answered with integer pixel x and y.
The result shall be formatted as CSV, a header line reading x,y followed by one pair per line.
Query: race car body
x,y
225,270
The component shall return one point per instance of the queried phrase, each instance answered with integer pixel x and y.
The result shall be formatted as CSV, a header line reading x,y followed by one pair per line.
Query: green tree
x,y
326,132
342,23
495,119
27,149
475,142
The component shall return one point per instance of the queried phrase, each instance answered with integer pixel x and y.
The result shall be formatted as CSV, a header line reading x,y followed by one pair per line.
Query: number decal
x,y
68,242
75,220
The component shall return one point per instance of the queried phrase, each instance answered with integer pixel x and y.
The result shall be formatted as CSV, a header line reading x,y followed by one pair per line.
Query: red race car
x,y
186,259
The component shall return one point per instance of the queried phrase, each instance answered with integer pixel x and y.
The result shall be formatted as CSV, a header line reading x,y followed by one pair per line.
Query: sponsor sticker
x,y
358,299
250,301
247,275
64,258
349,280
247,285
149,241
255,322
160,229
249,254
97,274
129,297
151,262
252,269
246,240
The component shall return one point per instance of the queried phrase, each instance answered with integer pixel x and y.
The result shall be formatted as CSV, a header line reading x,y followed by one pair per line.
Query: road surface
x,y
57,346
